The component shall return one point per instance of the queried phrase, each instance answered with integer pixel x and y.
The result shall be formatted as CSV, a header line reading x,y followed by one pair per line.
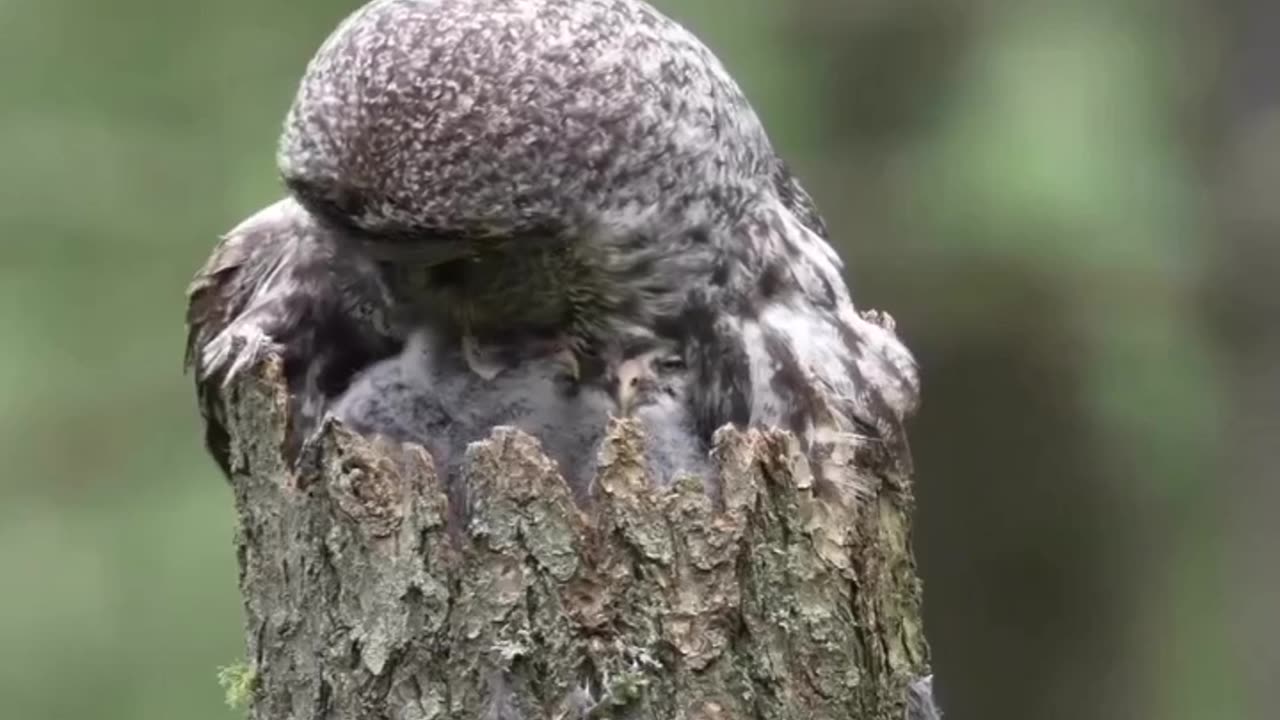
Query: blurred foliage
x,y
1068,206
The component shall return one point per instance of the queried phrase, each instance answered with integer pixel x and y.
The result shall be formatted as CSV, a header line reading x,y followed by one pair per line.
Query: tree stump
x,y
776,596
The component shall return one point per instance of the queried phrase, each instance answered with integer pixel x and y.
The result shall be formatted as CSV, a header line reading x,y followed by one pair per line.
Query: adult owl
x,y
543,179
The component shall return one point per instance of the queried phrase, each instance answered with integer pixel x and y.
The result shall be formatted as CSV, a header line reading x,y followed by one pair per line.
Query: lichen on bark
x,y
775,596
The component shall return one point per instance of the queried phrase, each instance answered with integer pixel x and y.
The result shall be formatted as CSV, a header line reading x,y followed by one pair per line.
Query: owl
x,y
540,187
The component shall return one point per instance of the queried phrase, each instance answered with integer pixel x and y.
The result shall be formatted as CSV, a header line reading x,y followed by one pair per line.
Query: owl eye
x,y
671,364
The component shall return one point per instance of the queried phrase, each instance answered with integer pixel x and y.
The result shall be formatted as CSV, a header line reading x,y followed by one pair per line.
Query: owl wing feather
x,y
281,283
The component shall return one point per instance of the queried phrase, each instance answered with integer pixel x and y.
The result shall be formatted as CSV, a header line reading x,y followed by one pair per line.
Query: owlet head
x,y
501,117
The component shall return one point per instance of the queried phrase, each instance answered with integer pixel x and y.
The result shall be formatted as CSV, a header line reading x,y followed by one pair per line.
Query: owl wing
x,y
785,347
281,283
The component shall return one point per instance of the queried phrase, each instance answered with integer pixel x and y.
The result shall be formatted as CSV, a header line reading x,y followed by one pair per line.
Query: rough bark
x,y
776,598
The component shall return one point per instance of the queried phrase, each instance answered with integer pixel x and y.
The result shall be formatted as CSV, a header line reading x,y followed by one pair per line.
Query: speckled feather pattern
x,y
449,128
426,395
494,117
282,282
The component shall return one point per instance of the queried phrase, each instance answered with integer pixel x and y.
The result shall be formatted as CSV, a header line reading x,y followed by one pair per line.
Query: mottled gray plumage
x,y
426,395
501,118
654,385
282,282
576,174
573,153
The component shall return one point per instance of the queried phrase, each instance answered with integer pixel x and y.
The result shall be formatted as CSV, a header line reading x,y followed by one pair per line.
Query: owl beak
x,y
633,381
479,363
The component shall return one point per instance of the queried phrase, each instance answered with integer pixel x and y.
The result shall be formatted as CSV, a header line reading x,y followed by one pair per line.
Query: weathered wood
x,y
774,597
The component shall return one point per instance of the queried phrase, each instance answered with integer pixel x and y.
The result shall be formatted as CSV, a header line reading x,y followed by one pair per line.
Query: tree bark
x,y
777,596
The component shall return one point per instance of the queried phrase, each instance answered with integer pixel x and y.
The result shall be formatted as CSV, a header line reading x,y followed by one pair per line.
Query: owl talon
x,y
236,351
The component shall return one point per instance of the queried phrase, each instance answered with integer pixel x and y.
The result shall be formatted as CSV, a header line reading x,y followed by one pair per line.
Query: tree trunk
x,y
774,597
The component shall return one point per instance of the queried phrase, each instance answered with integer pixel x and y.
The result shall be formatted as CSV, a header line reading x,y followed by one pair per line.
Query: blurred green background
x,y
1070,207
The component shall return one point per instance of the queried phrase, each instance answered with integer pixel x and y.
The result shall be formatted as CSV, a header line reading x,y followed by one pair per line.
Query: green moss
x,y
627,687
237,680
